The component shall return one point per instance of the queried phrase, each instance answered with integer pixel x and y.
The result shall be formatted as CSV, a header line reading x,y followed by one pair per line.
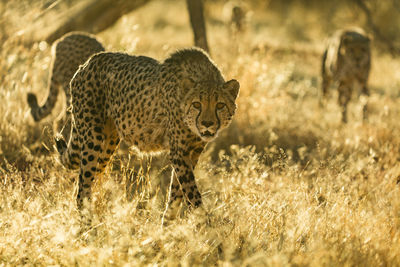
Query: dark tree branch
x,y
97,15
378,34
94,16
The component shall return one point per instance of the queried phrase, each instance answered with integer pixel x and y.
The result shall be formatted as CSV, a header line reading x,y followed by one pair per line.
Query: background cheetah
x,y
68,52
347,60
179,105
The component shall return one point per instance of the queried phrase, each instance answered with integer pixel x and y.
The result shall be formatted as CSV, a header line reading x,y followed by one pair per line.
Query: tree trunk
x,y
395,51
93,16
97,15
195,8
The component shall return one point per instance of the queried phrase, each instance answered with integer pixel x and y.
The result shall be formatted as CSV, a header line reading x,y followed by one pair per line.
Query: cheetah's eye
x,y
196,105
220,105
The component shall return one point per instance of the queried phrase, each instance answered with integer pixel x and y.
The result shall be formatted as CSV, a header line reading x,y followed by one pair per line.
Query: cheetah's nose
x,y
207,123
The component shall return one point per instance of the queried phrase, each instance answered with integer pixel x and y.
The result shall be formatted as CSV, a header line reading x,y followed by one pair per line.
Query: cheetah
x,y
237,18
236,15
177,106
347,61
68,52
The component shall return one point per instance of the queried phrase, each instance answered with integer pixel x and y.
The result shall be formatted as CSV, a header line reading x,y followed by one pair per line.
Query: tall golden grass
x,y
286,184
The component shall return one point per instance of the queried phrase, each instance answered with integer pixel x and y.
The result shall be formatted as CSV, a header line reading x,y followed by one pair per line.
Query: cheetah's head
x,y
209,108
355,46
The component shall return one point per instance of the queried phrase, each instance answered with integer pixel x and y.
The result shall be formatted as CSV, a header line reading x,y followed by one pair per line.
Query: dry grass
x,y
286,184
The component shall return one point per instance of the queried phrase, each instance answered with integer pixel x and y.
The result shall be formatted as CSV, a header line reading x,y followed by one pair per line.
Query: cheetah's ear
x,y
233,87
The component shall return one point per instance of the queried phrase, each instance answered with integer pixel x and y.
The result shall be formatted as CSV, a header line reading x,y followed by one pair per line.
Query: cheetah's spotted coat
x,y
347,61
178,105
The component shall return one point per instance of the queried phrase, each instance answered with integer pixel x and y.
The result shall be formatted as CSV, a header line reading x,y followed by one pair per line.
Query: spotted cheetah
x,y
347,61
68,52
235,15
178,105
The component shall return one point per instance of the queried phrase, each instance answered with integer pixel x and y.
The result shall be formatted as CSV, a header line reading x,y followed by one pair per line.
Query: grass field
x,y
287,184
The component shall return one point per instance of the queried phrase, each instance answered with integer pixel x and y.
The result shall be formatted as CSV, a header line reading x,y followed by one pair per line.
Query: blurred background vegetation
x,y
302,20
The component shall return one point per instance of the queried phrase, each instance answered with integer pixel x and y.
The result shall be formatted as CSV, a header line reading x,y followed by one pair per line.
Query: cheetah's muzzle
x,y
208,134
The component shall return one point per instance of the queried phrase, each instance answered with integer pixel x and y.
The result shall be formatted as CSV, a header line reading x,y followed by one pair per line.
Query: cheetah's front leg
x,y
183,183
344,98
365,92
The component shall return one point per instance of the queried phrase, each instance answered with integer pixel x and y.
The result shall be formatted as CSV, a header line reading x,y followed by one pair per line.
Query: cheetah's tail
x,y
32,101
61,145
39,112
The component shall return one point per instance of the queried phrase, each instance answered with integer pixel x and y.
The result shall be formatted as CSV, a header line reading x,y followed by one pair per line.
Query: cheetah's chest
x,y
148,138
142,124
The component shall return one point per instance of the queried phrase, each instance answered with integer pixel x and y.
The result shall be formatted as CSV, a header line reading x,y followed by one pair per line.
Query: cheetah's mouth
x,y
207,134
